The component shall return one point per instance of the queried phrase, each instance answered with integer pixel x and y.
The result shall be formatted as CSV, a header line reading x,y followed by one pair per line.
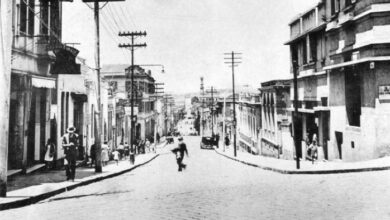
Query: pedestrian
x,y
121,149
104,153
70,146
217,140
126,150
179,152
158,138
132,153
308,144
314,149
93,154
227,141
49,155
147,145
115,154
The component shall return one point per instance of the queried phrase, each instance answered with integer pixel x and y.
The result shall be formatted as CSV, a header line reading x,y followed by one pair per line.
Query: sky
x,y
190,38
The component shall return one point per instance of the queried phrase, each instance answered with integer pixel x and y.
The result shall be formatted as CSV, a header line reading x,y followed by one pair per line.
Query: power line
x,y
51,31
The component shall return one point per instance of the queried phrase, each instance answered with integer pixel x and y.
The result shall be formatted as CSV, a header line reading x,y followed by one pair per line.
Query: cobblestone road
x,y
214,187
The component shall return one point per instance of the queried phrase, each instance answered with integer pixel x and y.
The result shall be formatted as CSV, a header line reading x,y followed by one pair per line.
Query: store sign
x,y
384,92
65,62
128,110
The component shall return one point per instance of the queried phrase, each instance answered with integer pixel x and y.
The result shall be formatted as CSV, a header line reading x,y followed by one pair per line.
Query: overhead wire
x,y
52,33
110,27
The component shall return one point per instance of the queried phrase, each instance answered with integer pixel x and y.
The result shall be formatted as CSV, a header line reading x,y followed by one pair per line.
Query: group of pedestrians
x,y
70,145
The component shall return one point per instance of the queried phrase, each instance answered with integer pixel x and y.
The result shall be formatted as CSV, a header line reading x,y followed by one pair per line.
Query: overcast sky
x,y
190,37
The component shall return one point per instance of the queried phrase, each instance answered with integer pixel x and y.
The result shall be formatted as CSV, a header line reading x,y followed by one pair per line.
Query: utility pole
x,y
158,91
166,98
212,91
132,35
98,136
201,113
233,59
5,85
295,118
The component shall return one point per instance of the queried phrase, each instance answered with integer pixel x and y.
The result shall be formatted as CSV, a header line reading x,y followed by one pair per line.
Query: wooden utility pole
x,y
5,85
233,60
132,35
201,113
158,91
212,91
295,115
99,120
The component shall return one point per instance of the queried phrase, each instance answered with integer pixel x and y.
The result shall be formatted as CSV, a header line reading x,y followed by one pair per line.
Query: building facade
x,y
36,27
249,122
343,88
117,79
276,140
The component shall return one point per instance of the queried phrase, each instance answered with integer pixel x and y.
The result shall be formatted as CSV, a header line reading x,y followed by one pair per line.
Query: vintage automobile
x,y
207,143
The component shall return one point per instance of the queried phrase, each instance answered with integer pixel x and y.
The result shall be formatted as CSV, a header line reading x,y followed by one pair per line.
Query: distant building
x,y
276,140
249,121
117,78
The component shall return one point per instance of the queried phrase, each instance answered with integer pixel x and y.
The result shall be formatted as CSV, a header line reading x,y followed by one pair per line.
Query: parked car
x,y
206,143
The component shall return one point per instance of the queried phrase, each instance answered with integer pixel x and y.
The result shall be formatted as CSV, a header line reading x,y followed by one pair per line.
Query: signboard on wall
x,y
384,92
128,110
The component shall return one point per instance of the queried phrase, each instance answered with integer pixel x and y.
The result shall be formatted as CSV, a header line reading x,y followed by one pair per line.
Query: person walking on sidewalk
x,y
126,150
70,145
115,155
132,153
49,155
147,145
158,138
105,157
93,154
179,152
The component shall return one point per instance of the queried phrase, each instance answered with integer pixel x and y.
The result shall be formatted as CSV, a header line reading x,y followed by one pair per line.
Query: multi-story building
x,y
276,140
117,77
36,28
249,122
341,48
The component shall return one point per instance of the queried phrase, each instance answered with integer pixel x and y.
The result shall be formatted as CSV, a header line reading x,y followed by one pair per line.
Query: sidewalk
x,y
306,167
29,189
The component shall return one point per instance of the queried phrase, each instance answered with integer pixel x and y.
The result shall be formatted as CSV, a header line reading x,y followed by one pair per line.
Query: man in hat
x,y
70,144
179,152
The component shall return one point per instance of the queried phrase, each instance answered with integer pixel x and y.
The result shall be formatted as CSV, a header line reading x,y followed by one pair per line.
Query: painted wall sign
x,y
384,92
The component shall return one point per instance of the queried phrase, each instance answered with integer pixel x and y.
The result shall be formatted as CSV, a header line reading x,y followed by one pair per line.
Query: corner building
x,y
349,82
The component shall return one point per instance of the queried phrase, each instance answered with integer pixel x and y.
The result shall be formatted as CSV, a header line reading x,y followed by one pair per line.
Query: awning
x,y
353,62
310,111
79,97
302,110
43,82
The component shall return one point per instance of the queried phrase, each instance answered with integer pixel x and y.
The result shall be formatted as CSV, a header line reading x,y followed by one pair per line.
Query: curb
x,y
353,170
35,199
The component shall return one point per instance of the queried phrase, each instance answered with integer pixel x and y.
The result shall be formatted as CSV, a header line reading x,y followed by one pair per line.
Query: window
x,y
313,47
350,35
22,17
334,6
304,52
31,14
44,14
26,17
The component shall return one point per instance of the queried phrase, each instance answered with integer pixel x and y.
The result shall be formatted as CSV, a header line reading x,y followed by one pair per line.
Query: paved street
x,y
214,187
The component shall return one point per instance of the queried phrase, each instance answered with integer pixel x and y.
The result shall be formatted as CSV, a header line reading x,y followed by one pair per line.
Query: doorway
x,y
339,141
